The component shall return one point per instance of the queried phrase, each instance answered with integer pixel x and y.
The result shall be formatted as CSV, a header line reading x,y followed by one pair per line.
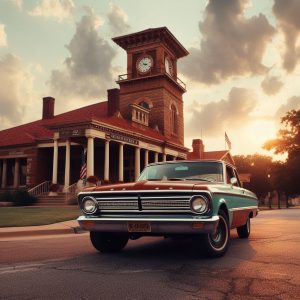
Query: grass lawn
x,y
29,216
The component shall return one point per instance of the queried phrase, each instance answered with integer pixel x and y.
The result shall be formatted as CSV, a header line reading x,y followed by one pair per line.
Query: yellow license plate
x,y
139,227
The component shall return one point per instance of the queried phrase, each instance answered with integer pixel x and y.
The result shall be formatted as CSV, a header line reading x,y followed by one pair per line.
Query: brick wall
x,y
162,94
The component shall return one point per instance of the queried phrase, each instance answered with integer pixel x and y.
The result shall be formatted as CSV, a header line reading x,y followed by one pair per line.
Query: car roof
x,y
191,161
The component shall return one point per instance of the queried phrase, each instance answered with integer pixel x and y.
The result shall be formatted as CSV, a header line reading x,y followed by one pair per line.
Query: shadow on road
x,y
148,249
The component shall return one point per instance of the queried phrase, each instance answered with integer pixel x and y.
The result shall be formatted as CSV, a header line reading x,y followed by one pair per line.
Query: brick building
x,y
141,122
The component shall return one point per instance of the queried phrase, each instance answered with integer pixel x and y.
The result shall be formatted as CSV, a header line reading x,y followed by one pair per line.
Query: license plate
x,y
139,227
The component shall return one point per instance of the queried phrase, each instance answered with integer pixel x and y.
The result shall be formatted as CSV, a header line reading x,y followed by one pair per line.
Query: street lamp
x,y
269,193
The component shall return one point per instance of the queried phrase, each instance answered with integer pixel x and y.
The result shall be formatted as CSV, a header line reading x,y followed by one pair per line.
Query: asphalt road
x,y
267,266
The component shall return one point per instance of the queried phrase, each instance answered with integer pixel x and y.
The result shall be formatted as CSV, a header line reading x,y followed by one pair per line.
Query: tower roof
x,y
151,35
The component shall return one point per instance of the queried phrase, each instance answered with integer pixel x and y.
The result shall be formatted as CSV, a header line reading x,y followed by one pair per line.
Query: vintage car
x,y
201,199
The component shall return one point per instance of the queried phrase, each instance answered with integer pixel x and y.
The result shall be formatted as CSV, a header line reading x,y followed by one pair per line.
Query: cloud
x,y
217,117
231,45
287,14
291,103
16,90
3,37
117,19
87,71
271,85
17,3
58,10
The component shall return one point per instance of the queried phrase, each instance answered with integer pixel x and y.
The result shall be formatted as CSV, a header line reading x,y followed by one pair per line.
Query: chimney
x,y
113,101
48,107
198,148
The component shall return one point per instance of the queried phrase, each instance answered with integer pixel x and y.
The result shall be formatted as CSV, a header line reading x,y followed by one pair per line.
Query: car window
x,y
230,174
237,177
206,171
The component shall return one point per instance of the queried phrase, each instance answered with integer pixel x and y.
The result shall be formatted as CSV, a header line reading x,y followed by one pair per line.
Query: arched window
x,y
174,125
144,104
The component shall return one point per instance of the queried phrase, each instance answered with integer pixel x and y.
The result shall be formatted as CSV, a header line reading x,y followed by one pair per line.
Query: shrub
x,y
54,187
92,179
6,197
23,198
18,198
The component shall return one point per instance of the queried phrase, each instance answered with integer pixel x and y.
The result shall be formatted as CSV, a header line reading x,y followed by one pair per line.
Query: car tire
x,y
108,242
244,231
216,244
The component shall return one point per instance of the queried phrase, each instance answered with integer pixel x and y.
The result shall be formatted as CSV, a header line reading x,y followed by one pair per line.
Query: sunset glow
x,y
242,73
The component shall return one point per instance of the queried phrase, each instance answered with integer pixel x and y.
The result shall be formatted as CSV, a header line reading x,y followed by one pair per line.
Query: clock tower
x,y
151,93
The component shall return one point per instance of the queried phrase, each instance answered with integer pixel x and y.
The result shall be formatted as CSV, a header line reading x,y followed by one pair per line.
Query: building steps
x,y
59,200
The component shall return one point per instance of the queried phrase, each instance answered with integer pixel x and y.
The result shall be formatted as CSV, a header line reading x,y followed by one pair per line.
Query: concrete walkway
x,y
57,228
65,227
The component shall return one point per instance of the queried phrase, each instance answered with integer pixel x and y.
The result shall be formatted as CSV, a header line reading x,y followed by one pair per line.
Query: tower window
x,y
174,126
144,104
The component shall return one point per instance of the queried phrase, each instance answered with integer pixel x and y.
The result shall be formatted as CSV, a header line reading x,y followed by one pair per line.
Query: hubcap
x,y
218,240
248,225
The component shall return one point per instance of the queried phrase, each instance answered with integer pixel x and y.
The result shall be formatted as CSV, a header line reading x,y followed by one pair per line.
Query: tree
x,y
259,166
288,141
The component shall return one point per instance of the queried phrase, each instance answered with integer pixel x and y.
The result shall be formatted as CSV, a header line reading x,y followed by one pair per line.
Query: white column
x,y
146,157
137,162
67,164
164,157
90,156
4,174
16,173
106,161
156,157
121,162
55,161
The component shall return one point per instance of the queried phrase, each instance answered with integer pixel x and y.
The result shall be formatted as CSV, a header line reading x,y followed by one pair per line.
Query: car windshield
x,y
199,171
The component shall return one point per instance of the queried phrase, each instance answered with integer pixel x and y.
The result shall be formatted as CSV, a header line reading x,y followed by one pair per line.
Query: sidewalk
x,y
51,229
66,227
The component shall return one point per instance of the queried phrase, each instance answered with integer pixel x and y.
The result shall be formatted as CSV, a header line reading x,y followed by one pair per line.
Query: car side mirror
x,y
233,180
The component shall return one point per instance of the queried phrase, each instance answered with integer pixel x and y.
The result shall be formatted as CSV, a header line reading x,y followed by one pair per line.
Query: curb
x,y
39,232
35,232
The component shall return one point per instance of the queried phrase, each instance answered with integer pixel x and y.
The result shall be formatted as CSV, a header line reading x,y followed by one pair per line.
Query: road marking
x,y
17,271
27,266
139,271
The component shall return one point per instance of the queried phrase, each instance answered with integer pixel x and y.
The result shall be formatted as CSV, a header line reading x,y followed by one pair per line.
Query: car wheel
x,y
216,244
107,242
244,231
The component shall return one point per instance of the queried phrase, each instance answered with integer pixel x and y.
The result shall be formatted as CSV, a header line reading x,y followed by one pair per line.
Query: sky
x,y
242,73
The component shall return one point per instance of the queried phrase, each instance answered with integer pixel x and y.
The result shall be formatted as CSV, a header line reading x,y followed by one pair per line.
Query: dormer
x,y
140,114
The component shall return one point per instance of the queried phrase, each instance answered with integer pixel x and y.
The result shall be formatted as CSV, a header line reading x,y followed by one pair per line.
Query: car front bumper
x,y
158,225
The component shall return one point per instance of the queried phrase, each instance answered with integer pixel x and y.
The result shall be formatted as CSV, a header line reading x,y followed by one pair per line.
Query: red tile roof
x,y
215,154
208,155
34,131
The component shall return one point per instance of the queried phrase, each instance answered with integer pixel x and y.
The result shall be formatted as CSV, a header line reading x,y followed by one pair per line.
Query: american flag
x,y
227,141
83,165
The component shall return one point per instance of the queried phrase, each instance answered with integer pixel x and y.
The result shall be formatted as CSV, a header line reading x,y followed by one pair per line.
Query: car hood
x,y
152,185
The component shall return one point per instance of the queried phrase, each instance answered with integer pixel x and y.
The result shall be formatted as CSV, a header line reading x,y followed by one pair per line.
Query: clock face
x,y
144,64
168,65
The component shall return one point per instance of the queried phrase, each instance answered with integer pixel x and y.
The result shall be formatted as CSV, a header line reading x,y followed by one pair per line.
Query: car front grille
x,y
145,202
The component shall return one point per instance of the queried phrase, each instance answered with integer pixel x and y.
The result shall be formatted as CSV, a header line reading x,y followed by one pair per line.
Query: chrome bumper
x,y
159,225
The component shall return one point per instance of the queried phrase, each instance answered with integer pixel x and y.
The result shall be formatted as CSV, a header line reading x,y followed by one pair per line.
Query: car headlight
x,y
89,205
199,204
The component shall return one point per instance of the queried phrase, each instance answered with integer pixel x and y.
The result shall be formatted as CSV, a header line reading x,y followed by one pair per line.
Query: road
x,y
267,266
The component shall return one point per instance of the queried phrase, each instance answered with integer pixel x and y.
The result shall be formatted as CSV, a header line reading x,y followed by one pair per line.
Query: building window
x,y
144,104
174,125
140,114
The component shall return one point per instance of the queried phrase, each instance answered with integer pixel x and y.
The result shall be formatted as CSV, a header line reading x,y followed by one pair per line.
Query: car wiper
x,y
176,179
199,179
